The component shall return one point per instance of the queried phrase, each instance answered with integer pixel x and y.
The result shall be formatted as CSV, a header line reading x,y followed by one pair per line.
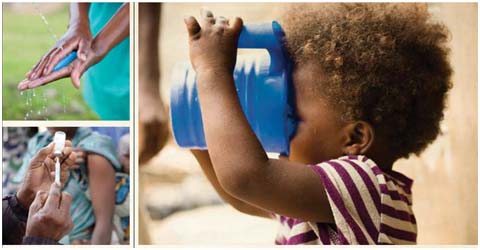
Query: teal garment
x,y
106,85
77,185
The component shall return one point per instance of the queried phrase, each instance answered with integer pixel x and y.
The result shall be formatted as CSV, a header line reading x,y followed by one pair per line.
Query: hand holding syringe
x,y
42,172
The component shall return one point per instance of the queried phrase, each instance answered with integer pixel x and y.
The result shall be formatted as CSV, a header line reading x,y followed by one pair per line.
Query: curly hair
x,y
384,63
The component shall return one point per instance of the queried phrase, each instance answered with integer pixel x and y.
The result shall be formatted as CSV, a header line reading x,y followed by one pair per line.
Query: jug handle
x,y
267,36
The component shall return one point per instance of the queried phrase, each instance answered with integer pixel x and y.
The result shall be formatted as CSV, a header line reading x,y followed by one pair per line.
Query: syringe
x,y
59,141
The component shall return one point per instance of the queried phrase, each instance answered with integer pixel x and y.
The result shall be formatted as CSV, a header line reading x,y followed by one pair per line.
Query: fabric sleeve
x,y
14,221
33,240
354,197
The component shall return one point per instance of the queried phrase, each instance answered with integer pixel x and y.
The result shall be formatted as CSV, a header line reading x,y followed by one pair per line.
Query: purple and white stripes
x,y
370,206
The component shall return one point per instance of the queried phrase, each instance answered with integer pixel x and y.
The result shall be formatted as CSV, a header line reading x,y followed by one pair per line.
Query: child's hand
x,y
213,45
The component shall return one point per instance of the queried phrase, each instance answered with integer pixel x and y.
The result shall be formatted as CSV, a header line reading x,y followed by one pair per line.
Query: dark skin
x,y
236,163
152,115
78,37
49,215
101,177
41,172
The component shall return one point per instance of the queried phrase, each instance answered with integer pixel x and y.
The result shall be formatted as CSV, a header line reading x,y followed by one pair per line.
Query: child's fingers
x,y
192,26
221,21
236,24
207,17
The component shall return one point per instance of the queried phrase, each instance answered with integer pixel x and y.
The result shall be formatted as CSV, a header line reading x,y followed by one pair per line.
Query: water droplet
x,y
21,93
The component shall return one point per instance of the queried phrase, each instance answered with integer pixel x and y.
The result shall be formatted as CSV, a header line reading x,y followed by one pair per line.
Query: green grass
x,y
25,39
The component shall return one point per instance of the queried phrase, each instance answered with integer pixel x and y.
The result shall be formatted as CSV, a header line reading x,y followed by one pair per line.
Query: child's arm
x,y
204,160
239,161
102,191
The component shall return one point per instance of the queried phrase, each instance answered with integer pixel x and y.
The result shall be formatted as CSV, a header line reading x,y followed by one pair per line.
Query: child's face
x,y
319,133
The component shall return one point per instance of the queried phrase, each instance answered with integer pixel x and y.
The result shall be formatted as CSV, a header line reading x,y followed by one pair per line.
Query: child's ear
x,y
359,137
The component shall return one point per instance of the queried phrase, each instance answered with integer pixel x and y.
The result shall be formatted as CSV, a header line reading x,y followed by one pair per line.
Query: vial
x,y
59,140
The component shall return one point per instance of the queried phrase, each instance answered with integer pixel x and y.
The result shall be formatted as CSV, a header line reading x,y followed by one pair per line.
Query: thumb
x,y
83,48
77,73
39,201
236,24
192,26
43,153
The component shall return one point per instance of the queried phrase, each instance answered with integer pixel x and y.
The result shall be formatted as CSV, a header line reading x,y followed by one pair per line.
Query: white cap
x,y
59,140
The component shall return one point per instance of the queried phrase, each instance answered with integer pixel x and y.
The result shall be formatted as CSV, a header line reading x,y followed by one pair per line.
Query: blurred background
x,y
178,206
25,40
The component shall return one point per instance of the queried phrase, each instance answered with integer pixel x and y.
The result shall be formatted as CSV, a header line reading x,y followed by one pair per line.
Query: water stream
x,y
31,94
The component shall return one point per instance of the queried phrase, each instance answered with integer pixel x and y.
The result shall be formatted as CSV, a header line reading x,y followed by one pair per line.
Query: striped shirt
x,y
369,206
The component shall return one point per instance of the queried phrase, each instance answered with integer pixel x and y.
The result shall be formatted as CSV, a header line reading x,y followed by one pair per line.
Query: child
x,y
370,84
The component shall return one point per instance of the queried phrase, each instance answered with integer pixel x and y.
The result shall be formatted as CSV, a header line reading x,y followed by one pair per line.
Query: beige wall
x,y
445,187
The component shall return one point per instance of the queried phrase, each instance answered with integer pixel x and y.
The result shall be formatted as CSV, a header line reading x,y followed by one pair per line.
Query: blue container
x,y
263,86
65,61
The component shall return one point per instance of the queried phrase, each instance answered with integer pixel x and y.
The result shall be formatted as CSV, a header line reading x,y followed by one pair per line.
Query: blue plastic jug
x,y
263,86
65,61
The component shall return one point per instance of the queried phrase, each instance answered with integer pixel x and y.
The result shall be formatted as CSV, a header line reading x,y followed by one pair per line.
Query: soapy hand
x,y
77,38
41,172
41,74
213,44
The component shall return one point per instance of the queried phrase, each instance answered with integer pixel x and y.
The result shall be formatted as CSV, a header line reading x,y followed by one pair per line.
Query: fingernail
x,y
21,86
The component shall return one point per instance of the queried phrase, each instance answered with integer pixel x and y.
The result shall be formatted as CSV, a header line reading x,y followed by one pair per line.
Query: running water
x,y
28,104
44,104
49,28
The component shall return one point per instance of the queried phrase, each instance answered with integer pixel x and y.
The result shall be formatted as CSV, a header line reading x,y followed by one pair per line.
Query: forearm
x,y
102,180
79,14
113,32
14,219
236,153
207,168
102,233
149,70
